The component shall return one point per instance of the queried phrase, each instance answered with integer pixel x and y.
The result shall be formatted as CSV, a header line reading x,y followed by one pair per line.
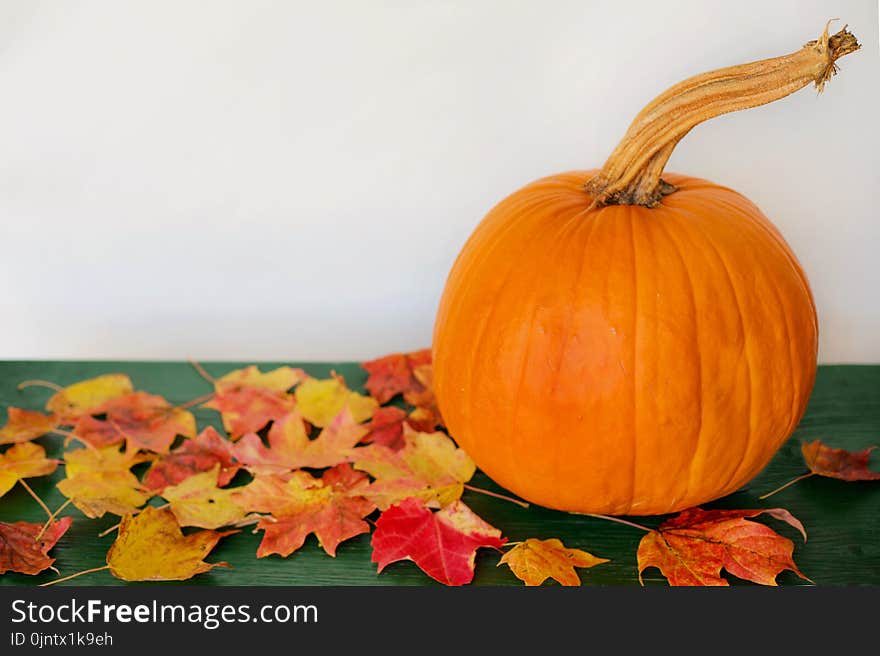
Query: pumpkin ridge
x,y
676,248
753,230
651,233
766,229
750,404
576,283
592,221
571,224
635,360
480,333
794,381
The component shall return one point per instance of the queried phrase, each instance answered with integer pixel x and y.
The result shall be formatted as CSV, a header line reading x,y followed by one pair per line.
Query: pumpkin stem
x,y
631,176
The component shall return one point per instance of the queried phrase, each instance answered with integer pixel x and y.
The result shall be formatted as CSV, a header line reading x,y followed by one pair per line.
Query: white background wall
x,y
292,180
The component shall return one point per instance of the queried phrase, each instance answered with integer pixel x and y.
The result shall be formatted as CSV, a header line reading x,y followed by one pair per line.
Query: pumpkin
x,y
612,342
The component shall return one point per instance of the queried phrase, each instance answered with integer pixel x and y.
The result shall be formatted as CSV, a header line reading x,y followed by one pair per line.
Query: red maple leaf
x,y
393,374
426,415
20,552
194,456
386,428
97,432
829,462
839,463
443,544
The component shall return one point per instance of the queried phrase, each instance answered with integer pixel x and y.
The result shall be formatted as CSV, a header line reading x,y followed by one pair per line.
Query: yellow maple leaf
x,y
429,467
24,460
320,401
151,547
83,397
108,458
277,380
197,501
100,481
534,561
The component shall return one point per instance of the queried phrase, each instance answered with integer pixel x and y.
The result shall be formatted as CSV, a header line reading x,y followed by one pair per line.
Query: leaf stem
x,y
247,521
785,485
521,504
40,383
620,521
51,519
196,401
201,371
35,496
73,576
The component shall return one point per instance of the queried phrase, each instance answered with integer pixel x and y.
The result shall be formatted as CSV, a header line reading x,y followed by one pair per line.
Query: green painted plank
x,y
843,519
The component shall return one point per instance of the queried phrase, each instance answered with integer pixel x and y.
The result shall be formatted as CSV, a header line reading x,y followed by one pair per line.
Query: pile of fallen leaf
x,y
323,459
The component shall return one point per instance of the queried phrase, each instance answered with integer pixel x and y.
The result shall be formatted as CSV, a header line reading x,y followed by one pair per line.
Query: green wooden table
x,y
842,519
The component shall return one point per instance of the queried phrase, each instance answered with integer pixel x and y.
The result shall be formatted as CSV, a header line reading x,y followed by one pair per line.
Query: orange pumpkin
x,y
610,342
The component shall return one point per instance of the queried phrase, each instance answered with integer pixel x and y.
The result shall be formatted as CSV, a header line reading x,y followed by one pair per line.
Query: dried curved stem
x,y
489,493
36,497
196,401
75,575
201,371
785,485
619,520
51,519
40,383
631,176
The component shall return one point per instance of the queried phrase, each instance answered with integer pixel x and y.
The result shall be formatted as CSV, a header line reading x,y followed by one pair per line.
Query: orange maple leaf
x,y
148,421
693,547
290,447
26,425
248,399
534,561
248,409
151,547
332,507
